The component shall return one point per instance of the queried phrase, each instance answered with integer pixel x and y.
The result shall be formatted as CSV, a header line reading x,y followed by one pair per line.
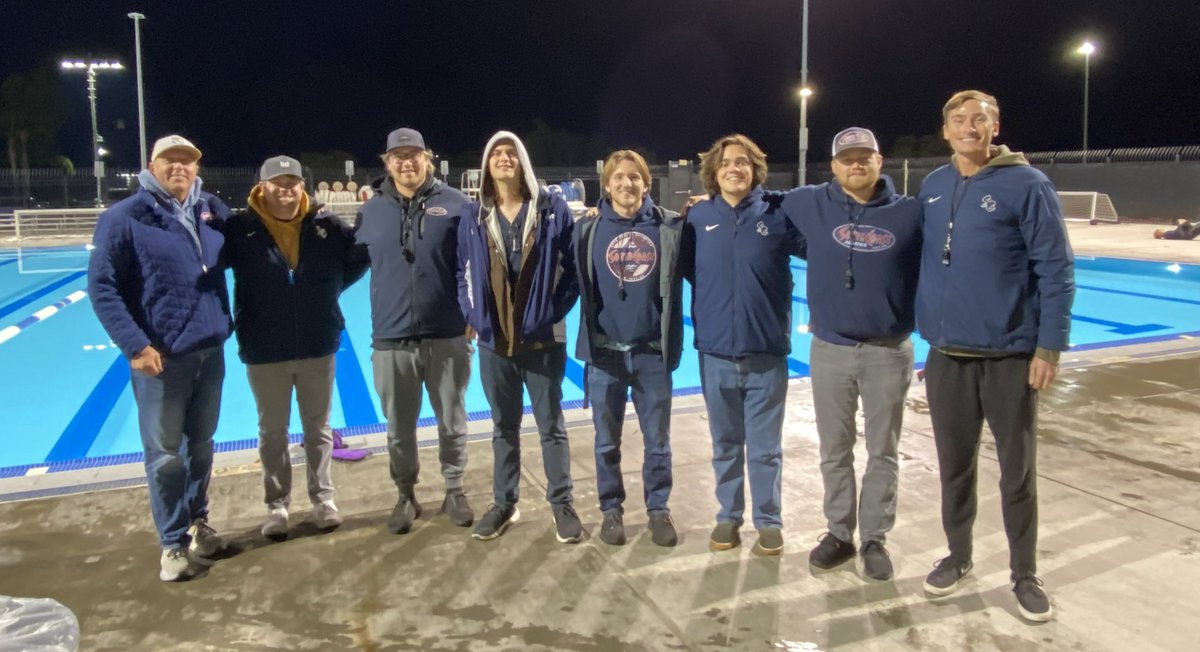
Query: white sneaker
x,y
205,540
276,525
325,515
174,563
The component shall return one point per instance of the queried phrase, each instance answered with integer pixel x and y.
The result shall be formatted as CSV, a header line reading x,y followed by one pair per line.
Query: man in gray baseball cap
x,y
289,328
409,230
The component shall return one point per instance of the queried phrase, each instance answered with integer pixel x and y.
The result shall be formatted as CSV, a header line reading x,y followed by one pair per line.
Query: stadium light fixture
x,y
90,68
1087,49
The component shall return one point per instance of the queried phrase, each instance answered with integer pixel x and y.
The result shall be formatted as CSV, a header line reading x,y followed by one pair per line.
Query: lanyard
x,y
955,201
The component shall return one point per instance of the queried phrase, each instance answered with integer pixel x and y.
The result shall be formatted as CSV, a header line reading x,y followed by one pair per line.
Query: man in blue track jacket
x,y
158,288
864,252
516,284
409,229
994,303
736,251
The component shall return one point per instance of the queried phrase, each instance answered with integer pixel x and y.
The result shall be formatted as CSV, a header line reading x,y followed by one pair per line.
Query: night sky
x,y
252,78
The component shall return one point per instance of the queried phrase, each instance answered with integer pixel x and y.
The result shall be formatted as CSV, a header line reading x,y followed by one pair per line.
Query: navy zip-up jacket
x,y
863,261
1009,280
737,259
149,282
412,245
281,313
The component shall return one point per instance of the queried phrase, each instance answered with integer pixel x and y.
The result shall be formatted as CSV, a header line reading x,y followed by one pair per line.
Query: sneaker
x,y
770,542
174,564
946,577
325,515
612,530
830,551
1031,599
456,506
276,525
567,527
724,537
406,511
205,540
495,521
662,529
877,563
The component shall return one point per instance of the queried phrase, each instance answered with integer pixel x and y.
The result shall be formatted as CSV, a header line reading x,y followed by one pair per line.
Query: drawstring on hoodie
x,y
854,220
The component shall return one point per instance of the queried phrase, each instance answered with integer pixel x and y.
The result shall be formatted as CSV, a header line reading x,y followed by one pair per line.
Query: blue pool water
x,y
65,399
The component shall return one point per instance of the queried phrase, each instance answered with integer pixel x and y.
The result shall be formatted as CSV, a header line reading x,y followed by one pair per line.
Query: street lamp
x,y
1086,50
805,91
90,68
137,53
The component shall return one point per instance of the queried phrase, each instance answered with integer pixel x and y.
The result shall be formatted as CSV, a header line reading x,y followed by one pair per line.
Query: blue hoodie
x,y
863,261
1009,281
737,259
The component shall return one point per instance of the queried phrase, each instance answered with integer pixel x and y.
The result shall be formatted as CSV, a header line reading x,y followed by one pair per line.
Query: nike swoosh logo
x,y
933,199
710,227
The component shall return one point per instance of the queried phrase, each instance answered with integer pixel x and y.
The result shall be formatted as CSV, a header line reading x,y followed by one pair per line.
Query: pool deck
x,y
1119,545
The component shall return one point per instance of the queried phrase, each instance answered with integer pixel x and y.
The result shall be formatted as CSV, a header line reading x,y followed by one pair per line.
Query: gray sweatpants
x,y
272,385
443,367
880,374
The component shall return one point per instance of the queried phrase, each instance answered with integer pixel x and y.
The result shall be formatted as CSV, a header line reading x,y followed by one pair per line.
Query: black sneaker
x,y
662,529
406,511
830,551
877,563
567,527
724,537
946,577
1031,599
495,521
612,530
455,505
770,542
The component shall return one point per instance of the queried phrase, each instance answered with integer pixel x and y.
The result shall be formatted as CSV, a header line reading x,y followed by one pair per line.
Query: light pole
x,y
1086,50
90,68
137,53
805,91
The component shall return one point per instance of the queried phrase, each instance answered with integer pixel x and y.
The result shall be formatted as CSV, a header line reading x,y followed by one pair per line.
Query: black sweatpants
x,y
962,392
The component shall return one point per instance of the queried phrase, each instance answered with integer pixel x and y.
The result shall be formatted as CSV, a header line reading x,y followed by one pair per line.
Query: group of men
x,y
979,260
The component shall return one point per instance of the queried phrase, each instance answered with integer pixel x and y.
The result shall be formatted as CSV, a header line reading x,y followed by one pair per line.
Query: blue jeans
x,y
610,377
177,415
504,380
745,400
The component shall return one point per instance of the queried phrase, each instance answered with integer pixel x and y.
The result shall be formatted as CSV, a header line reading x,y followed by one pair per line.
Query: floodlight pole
x,y
802,168
137,51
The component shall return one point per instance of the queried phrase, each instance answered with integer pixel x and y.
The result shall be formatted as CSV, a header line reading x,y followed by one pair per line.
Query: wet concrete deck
x,y
1120,540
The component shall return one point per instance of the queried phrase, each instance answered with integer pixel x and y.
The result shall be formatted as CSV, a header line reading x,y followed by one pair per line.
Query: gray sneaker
x,y
612,530
662,529
946,577
455,506
1031,599
205,540
724,537
567,526
495,521
276,525
325,515
406,511
877,563
174,564
770,542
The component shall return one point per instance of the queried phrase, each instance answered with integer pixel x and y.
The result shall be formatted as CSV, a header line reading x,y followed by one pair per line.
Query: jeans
x,y
745,399
177,415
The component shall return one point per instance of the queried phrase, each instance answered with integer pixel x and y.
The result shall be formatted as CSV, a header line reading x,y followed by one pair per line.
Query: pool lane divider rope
x,y
9,332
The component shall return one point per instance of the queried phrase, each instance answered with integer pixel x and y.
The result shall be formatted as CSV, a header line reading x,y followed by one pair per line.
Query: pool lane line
x,y
8,262
79,435
39,293
9,332
1140,295
357,408
574,373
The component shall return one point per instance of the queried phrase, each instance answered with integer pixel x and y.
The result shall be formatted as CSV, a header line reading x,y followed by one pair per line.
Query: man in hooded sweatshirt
x,y
290,263
516,284
994,303
409,229
864,253
736,252
631,335
158,289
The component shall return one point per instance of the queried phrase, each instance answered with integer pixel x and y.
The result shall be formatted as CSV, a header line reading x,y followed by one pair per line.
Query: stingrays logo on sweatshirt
x,y
631,256
988,204
864,237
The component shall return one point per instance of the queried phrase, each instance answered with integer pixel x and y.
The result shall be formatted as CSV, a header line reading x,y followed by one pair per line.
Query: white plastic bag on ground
x,y
37,625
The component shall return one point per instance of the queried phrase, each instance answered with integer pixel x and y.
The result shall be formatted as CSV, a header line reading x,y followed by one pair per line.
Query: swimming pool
x,y
66,402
